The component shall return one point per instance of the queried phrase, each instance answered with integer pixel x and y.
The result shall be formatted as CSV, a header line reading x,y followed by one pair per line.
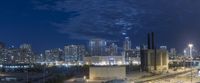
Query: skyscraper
x,y
172,53
25,46
163,47
187,52
113,50
127,44
54,55
74,53
127,51
97,47
26,54
23,54
11,55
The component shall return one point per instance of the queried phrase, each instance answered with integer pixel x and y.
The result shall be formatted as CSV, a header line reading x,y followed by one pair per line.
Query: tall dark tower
x,y
153,48
152,40
149,40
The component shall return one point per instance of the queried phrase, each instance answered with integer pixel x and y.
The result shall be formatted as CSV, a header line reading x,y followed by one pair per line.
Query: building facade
x,y
74,54
54,55
97,47
127,44
107,72
154,60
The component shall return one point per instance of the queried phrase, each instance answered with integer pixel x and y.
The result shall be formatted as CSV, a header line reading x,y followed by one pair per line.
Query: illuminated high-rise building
x,y
137,51
25,46
127,51
54,55
10,56
48,55
172,52
113,50
186,52
163,47
97,47
26,54
127,44
74,53
40,58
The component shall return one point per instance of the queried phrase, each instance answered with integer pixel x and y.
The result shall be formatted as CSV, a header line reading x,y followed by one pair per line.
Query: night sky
x,y
47,24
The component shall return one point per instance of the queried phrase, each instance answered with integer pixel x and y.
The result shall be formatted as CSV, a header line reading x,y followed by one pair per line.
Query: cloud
x,y
117,18
95,18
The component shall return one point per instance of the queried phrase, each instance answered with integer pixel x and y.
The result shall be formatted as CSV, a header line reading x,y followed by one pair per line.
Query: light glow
x,y
190,45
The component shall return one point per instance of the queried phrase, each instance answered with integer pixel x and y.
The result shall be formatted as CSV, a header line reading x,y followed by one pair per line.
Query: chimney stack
x,y
152,40
149,41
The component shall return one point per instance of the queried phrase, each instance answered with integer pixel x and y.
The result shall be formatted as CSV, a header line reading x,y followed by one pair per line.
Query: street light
x,y
191,46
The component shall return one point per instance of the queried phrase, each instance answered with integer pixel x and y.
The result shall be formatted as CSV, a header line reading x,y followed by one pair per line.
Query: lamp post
x,y
191,46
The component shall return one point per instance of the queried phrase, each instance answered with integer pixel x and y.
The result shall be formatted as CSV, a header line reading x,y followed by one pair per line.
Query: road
x,y
163,76
178,78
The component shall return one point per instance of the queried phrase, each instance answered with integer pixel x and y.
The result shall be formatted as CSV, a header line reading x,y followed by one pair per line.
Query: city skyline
x,y
99,41
126,43
52,24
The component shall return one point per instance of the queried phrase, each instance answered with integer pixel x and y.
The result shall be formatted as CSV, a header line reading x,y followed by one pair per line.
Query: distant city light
x,y
190,45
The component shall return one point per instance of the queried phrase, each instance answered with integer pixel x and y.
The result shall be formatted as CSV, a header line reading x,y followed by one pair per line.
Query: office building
x,y
9,56
112,50
163,47
25,46
97,47
21,55
40,58
172,53
127,44
74,54
129,55
26,54
54,55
